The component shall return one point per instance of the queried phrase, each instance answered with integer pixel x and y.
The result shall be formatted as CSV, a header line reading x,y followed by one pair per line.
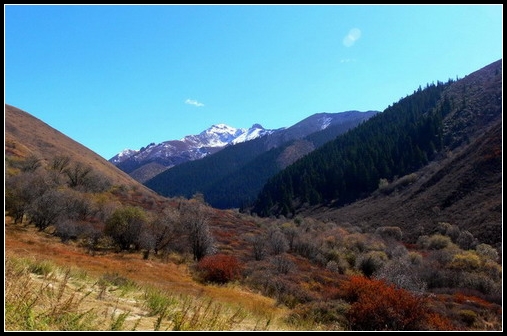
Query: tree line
x,y
396,142
78,204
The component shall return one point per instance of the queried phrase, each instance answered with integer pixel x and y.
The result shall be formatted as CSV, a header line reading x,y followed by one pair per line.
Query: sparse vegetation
x,y
63,300
87,252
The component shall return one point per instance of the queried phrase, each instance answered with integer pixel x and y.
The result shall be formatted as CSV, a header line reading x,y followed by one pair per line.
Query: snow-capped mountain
x,y
191,147
235,175
149,161
221,135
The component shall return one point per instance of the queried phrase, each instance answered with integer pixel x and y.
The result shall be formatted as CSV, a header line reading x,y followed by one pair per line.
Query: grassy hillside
x,y
26,135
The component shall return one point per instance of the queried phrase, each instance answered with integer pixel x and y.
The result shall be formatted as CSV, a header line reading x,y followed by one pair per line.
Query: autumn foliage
x,y
219,268
376,305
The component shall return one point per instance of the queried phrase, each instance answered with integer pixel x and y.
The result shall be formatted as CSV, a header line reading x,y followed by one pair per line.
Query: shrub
x,y
407,179
307,248
487,251
468,316
329,313
493,270
415,258
466,240
356,242
389,232
480,282
219,268
337,261
376,305
125,225
384,186
402,273
283,264
466,261
371,262
436,242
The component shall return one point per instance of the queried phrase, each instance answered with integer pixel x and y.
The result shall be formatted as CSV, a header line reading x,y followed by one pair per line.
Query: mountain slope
x,y
465,189
151,160
232,177
443,150
26,135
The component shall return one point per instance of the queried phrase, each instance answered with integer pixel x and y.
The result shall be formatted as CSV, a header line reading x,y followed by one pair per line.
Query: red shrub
x,y
219,268
461,298
377,305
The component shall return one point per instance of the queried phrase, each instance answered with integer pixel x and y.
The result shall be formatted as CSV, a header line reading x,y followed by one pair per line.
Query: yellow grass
x,y
62,278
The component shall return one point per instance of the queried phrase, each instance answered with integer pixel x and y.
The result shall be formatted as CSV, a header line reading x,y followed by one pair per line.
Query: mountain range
x,y
232,177
153,159
148,161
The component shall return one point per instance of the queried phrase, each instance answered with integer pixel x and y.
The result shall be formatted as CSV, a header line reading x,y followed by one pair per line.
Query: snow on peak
x,y
127,152
325,122
252,133
221,128
218,135
123,155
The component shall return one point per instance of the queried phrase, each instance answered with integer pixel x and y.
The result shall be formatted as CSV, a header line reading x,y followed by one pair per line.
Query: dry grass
x,y
26,135
116,291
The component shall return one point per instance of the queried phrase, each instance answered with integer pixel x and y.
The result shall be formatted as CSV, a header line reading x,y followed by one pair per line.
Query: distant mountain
x,y
150,160
434,156
233,176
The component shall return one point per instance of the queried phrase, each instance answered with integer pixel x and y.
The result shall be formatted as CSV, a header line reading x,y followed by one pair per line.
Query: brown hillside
x,y
462,187
26,135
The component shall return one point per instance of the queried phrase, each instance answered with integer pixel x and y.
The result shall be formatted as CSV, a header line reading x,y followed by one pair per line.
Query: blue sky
x,y
118,77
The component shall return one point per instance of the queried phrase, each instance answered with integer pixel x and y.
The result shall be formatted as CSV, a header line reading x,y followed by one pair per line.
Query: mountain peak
x,y
221,128
190,147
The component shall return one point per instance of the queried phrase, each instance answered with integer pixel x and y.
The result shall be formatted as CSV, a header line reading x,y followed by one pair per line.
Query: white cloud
x,y
351,38
193,102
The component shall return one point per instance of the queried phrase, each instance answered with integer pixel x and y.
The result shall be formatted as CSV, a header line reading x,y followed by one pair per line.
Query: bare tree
x,y
22,189
161,233
15,200
77,205
77,174
402,273
291,232
258,242
164,230
282,264
277,241
31,164
46,209
60,163
195,221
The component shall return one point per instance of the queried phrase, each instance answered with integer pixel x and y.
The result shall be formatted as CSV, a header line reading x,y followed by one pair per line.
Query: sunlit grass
x,y
41,296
